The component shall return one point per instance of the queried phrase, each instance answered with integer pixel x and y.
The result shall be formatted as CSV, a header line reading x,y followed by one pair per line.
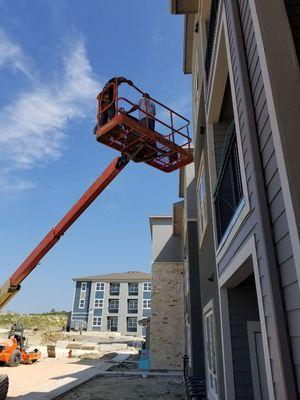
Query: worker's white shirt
x,y
150,108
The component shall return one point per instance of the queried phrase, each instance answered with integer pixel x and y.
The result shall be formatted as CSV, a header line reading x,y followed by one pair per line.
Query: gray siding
x,y
208,275
242,308
277,214
276,204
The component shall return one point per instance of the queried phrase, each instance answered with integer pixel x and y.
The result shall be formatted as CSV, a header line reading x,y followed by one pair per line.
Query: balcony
x,y
114,289
133,289
113,306
229,190
131,324
211,34
132,306
112,324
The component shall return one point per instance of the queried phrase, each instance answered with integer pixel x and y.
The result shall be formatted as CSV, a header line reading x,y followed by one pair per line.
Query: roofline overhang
x,y
183,6
188,43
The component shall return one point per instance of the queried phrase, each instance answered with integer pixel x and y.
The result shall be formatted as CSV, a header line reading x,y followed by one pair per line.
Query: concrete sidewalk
x,y
50,378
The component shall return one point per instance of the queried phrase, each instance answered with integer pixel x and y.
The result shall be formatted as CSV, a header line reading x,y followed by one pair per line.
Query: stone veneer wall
x,y
167,340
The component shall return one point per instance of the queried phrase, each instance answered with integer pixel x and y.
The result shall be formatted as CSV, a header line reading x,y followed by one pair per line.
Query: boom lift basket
x,y
166,148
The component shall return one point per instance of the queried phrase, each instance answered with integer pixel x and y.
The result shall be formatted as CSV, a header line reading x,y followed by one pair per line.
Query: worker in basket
x,y
107,97
147,111
145,106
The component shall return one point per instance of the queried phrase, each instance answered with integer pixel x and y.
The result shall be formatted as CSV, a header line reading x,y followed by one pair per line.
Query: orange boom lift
x,y
166,148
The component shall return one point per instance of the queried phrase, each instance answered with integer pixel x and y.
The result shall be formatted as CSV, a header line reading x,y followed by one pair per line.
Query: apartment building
x,y
244,59
112,302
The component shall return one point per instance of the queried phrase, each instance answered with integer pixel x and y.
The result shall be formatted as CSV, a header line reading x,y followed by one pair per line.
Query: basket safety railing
x,y
109,100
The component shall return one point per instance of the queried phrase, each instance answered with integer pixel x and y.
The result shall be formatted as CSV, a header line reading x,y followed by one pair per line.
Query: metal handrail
x,y
156,119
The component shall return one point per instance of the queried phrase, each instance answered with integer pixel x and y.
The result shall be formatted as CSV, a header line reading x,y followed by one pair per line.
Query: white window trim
x,y
101,285
147,284
80,306
208,310
97,318
148,301
100,301
83,284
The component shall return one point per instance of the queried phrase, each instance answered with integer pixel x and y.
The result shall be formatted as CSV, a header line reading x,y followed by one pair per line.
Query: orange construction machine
x,y
14,350
158,137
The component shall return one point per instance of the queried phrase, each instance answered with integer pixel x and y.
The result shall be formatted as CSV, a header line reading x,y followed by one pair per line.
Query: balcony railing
x,y
113,310
229,190
133,292
114,290
210,31
132,310
131,329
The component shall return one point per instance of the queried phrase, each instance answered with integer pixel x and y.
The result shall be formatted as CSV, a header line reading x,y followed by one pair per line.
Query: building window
x,y
97,321
115,289
132,306
202,199
113,305
81,303
147,286
229,190
131,324
112,324
99,286
210,349
98,303
83,286
146,304
133,289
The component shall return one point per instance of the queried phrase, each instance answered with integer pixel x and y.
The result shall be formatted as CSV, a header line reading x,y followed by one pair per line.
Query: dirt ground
x,y
129,388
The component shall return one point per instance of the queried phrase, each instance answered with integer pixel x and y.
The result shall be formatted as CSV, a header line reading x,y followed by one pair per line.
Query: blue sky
x,y
55,56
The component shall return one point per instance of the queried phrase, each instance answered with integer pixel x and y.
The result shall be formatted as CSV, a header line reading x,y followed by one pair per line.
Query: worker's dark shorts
x,y
151,123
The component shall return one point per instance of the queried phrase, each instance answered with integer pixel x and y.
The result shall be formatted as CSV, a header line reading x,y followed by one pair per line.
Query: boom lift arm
x,y
12,285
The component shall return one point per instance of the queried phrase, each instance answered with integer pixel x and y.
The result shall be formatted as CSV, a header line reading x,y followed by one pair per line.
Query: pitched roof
x,y
117,277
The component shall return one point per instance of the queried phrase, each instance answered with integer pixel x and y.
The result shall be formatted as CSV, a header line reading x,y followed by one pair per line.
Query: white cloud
x,y
11,55
34,126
